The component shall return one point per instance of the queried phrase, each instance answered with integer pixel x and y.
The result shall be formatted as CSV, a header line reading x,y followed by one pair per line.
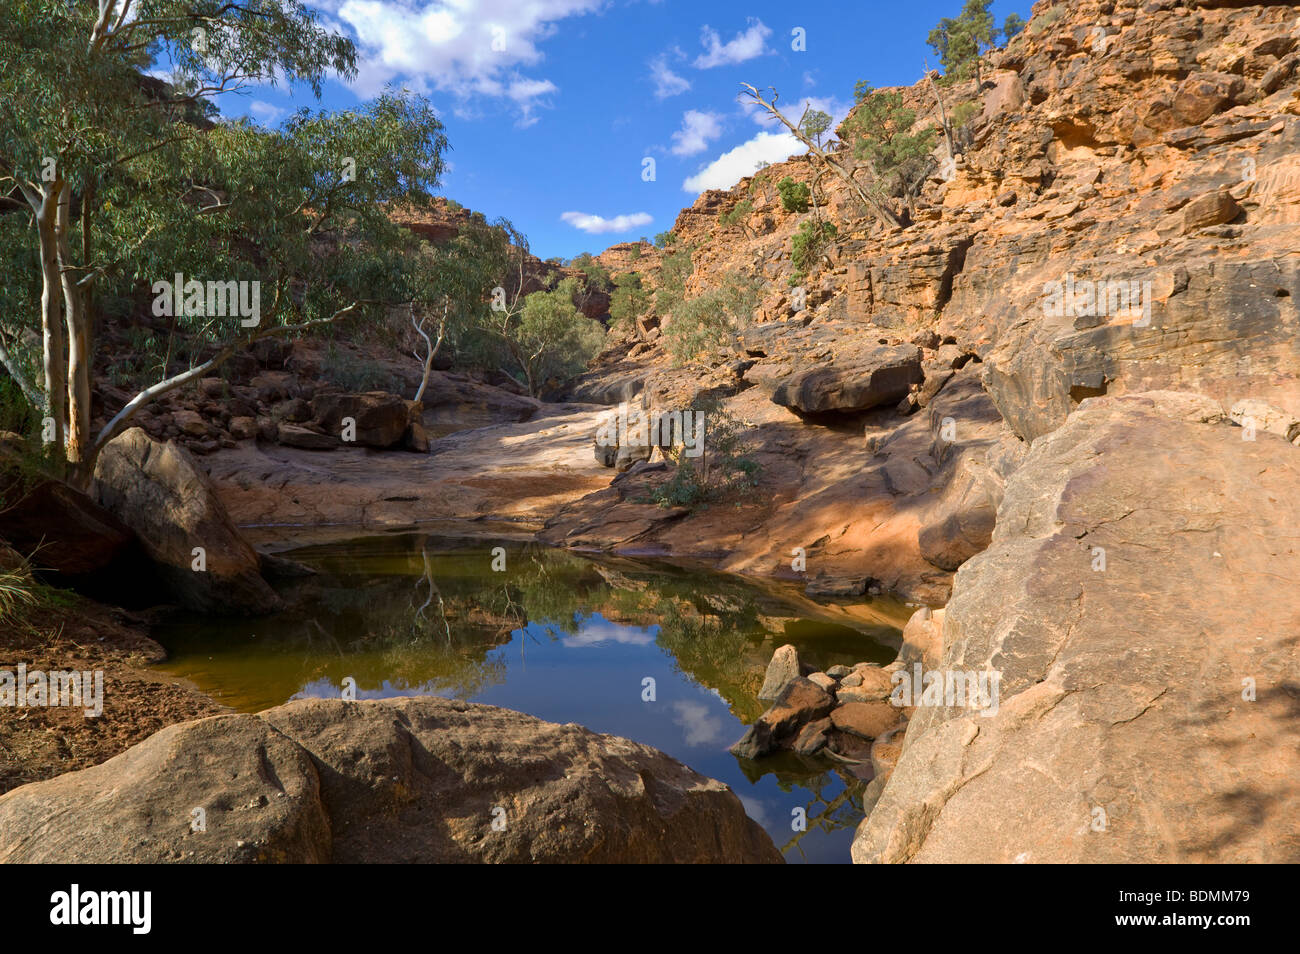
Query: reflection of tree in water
x,y
826,814
716,652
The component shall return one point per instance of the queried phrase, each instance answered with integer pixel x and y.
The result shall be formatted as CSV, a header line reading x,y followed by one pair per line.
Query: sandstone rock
x,y
923,639
417,438
381,418
873,684
838,671
781,671
1212,209
1202,95
881,376
1265,417
168,501
866,720
243,428
801,702
822,680
190,423
392,781
1122,688
295,435
812,737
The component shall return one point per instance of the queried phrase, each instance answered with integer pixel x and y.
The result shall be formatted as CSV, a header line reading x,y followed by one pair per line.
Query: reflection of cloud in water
x,y
702,726
325,689
754,809
595,629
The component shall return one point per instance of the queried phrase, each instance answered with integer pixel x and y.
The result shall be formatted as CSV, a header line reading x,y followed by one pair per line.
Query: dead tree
x,y
873,204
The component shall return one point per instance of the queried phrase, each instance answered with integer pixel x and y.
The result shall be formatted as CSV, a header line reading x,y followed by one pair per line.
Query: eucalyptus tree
x,y
122,184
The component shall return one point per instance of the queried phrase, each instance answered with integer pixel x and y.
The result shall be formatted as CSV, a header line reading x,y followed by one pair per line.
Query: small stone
x,y
823,680
839,671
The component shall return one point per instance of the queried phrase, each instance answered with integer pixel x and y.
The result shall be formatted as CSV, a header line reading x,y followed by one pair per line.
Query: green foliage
x,y
814,124
673,272
794,195
358,374
808,244
720,473
629,300
665,239
738,214
556,339
958,42
1012,25
166,186
635,253
963,113
880,129
1048,17
597,276
704,326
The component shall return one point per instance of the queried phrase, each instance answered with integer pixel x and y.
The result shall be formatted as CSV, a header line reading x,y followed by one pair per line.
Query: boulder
x,y
381,418
1147,705
1266,417
64,531
168,501
866,720
801,702
781,671
879,376
395,781
1214,208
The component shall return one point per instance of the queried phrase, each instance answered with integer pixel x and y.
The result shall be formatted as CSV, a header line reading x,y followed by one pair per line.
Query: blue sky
x,y
552,106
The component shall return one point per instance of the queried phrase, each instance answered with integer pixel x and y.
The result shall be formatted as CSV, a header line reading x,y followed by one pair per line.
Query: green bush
x,y
721,472
794,195
629,300
704,326
808,243
738,214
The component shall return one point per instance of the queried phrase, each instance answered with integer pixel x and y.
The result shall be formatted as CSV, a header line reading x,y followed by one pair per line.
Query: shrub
x,y
723,470
808,243
794,195
703,326
629,300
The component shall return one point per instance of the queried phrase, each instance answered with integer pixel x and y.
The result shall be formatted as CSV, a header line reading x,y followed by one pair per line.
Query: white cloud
x,y
700,725
698,130
667,83
468,48
743,46
265,113
598,225
732,166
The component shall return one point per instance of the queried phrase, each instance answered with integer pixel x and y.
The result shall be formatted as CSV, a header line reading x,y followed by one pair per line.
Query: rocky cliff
x,y
1122,218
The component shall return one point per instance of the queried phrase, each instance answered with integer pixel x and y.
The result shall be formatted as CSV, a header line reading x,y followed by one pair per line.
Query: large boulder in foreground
x,y
878,376
1148,703
161,493
391,781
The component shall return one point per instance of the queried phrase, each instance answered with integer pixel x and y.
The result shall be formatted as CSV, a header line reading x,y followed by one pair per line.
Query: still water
x,y
563,637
